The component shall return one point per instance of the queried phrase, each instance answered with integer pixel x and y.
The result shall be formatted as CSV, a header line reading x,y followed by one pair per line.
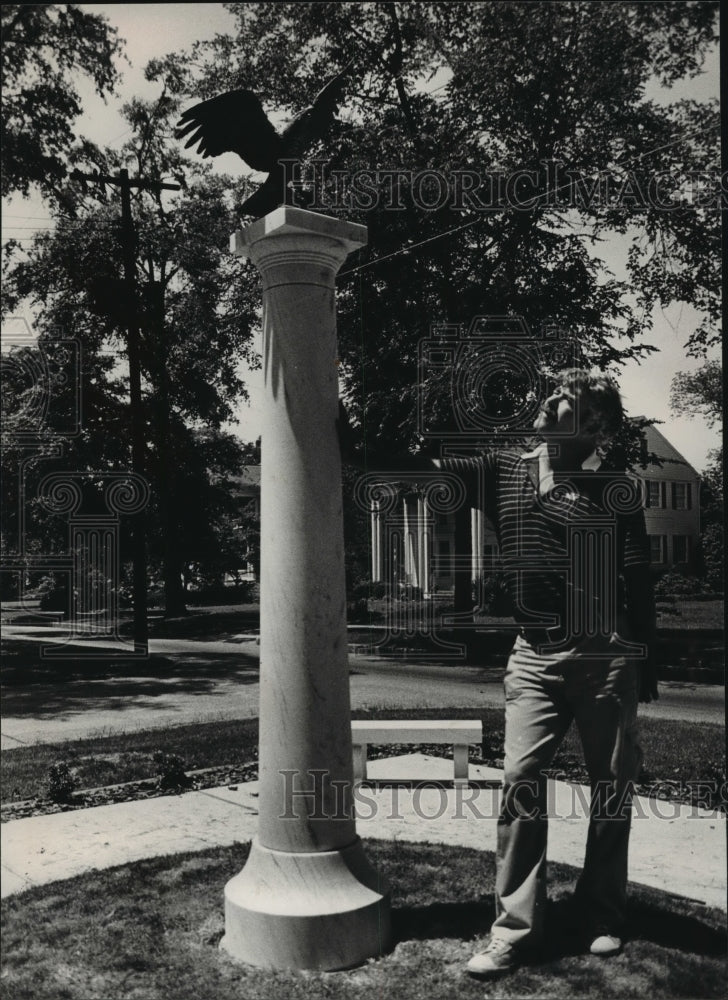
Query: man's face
x,y
558,415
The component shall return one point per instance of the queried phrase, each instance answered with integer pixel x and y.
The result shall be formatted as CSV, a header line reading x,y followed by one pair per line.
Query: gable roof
x,y
658,444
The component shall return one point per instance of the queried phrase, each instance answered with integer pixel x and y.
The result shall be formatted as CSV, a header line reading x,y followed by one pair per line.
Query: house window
x,y
680,549
658,548
655,493
681,498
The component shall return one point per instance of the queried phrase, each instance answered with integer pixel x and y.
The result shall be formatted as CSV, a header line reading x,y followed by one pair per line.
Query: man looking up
x,y
583,652
543,505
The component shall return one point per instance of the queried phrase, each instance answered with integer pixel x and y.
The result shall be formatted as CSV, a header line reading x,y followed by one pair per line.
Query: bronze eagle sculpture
x,y
236,122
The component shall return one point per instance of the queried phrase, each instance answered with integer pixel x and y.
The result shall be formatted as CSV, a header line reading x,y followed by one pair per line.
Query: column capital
x,y
301,236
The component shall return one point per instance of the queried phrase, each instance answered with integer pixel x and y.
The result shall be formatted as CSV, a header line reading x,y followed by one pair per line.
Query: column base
x,y
322,910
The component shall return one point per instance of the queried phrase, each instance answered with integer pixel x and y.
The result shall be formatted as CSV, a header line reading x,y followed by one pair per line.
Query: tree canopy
x,y
562,89
699,392
492,150
44,47
196,319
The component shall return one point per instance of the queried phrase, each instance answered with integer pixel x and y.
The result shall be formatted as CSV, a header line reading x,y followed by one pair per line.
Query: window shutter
x,y
663,494
673,490
689,496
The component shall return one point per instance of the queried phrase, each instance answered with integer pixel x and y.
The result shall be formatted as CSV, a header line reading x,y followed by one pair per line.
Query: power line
x,y
620,164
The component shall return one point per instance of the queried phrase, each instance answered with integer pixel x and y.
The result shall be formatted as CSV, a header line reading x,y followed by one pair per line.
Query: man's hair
x,y
601,395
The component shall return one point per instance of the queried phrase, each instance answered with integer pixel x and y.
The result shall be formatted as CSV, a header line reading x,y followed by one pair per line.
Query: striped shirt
x,y
574,548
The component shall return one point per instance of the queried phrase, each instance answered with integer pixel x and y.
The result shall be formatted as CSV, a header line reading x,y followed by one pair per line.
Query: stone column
x,y
307,897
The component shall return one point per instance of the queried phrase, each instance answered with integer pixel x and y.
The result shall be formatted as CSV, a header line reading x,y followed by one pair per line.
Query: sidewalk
x,y
677,849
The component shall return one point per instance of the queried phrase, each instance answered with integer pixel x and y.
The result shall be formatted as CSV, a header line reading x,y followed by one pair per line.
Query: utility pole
x,y
138,430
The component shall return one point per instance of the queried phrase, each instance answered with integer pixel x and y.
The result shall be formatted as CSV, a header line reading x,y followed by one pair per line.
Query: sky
x,y
154,29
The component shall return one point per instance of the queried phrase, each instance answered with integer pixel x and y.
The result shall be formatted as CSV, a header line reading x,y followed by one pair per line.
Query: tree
x,y
712,521
699,392
44,47
195,315
561,91
215,535
563,83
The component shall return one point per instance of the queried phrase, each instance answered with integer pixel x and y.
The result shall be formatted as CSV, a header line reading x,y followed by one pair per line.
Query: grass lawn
x,y
684,613
675,753
150,931
206,621
127,756
677,612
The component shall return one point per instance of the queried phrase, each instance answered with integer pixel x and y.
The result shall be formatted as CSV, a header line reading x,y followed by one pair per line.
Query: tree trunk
x,y
174,590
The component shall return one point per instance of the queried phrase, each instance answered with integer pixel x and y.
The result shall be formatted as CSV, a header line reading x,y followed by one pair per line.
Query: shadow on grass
x,y
22,663
443,920
43,687
646,921
151,929
202,623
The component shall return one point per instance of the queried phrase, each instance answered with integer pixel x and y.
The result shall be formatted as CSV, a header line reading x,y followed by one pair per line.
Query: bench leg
x,y
360,761
460,760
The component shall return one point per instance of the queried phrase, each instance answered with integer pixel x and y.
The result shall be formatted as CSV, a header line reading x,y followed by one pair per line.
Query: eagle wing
x,y
314,122
234,122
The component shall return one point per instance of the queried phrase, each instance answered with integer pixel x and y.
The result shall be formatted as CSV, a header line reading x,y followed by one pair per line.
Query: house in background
x,y
414,545
671,497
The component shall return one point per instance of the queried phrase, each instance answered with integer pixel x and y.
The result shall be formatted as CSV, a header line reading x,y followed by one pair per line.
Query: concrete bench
x,y
461,733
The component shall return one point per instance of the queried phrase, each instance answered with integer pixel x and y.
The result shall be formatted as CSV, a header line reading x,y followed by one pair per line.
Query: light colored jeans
x,y
543,694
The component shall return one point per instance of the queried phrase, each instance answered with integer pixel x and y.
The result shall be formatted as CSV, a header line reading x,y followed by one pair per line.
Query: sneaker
x,y
499,956
605,945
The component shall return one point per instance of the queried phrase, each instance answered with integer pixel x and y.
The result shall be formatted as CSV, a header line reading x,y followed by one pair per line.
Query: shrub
x,y
363,589
54,594
672,584
492,594
712,553
242,592
171,771
61,782
357,610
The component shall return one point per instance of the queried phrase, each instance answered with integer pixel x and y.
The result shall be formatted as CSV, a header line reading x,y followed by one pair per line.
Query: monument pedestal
x,y
321,910
307,897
